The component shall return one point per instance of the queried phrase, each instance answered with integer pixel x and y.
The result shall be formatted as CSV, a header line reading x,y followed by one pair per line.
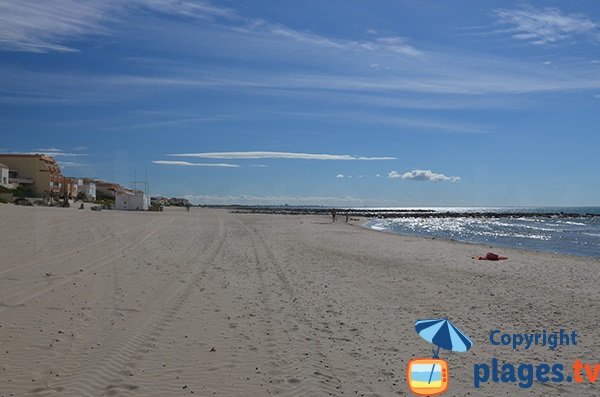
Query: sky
x,y
347,103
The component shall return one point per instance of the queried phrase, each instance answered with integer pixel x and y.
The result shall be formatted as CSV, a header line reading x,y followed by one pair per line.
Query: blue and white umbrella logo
x,y
442,333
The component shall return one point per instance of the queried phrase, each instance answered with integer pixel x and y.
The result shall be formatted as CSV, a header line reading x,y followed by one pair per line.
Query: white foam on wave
x,y
592,234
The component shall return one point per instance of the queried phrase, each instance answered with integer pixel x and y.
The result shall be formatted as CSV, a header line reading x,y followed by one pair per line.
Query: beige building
x,y
70,187
108,189
37,171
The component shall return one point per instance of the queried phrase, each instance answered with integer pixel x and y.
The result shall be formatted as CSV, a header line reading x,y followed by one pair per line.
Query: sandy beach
x,y
214,303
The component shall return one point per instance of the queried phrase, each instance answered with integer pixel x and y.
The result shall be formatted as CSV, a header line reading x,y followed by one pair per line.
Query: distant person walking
x,y
187,208
333,214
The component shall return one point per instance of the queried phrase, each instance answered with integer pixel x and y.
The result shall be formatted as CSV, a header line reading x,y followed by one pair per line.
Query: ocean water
x,y
577,236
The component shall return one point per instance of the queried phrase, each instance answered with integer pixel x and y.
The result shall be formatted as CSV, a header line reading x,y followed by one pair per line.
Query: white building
x,y
132,201
4,177
88,188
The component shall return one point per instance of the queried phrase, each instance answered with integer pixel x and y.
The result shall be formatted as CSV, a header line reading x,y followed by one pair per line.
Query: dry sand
x,y
214,303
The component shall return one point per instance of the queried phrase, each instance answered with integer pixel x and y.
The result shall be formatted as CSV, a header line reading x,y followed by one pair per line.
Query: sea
x,y
564,235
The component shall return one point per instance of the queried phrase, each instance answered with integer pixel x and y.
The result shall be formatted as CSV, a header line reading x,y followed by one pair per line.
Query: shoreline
x,y
477,212
492,246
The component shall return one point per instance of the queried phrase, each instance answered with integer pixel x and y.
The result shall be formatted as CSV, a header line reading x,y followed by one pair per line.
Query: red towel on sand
x,y
490,256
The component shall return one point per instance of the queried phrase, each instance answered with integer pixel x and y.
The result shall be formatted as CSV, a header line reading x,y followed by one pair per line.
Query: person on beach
x,y
333,213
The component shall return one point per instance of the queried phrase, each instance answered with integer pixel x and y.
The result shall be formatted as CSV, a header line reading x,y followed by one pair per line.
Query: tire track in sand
x,y
78,249
300,367
107,374
92,329
22,297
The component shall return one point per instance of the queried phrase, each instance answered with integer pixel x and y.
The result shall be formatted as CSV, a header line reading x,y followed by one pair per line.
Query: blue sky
x,y
415,103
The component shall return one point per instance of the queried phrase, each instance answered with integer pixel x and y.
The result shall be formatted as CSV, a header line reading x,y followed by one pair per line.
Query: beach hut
x,y
135,200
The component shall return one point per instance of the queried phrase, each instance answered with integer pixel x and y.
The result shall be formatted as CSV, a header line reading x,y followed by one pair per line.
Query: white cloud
x,y
339,176
545,25
188,164
69,164
424,175
277,155
378,175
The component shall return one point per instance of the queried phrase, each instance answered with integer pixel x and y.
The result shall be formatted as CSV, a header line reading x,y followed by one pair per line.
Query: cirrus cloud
x,y
46,26
55,152
188,164
546,25
277,155
49,26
